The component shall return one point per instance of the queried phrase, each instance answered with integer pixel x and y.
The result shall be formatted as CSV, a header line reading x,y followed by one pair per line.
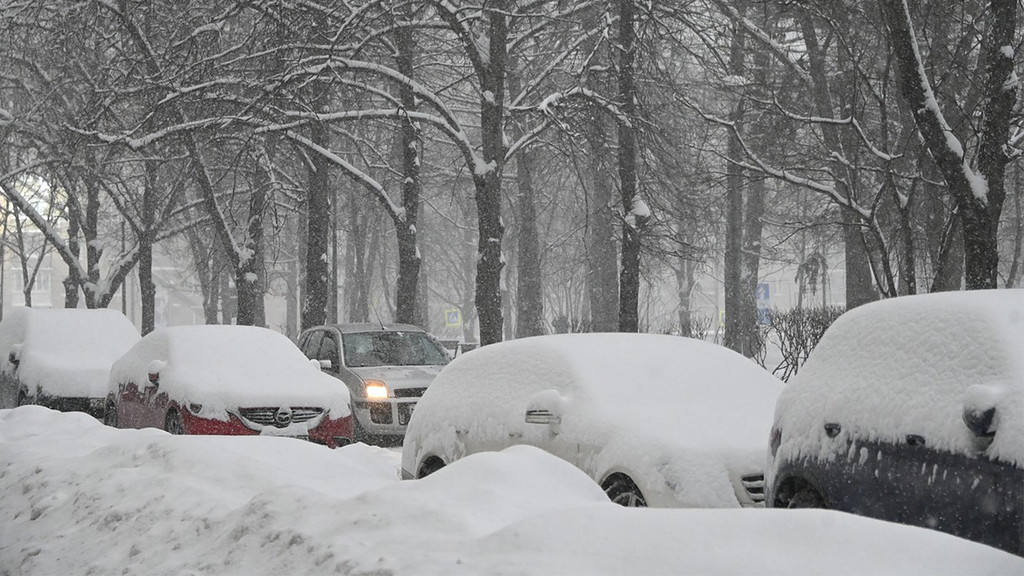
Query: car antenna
x,y
377,314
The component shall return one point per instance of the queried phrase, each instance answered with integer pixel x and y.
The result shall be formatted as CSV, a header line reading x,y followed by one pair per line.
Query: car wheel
x,y
623,491
429,466
806,497
173,423
110,415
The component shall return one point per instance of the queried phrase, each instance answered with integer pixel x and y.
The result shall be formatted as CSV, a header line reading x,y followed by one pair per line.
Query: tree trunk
x,y
71,293
318,221
146,286
633,207
407,291
529,286
859,288
487,180
733,338
979,192
602,253
684,283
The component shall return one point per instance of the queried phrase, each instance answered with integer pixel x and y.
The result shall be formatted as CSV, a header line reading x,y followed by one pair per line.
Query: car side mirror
x,y
542,416
325,365
980,415
981,423
545,407
14,358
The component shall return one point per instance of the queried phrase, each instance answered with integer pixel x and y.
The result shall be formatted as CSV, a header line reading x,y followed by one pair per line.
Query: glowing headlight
x,y
375,390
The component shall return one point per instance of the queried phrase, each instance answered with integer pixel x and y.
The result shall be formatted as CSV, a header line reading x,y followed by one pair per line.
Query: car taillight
x,y
775,439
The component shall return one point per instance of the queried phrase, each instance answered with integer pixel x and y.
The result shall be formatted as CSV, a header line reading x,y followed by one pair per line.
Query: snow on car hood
x,y
227,367
907,366
397,377
67,351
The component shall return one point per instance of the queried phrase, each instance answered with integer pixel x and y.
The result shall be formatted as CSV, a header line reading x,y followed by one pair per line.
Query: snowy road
x,y
80,498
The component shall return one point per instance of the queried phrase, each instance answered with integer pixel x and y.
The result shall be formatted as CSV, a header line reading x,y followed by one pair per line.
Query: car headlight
x,y
375,390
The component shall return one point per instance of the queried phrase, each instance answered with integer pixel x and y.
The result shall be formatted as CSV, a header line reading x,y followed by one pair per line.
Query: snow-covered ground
x,y
79,498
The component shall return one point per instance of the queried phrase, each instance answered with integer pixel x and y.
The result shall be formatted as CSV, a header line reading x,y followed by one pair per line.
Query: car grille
x,y
409,392
754,486
268,416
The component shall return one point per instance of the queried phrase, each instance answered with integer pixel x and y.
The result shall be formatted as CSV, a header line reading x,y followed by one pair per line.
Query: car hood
x,y
398,377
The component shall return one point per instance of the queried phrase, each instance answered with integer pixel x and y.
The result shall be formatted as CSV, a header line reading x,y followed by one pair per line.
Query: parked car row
x,y
234,380
909,409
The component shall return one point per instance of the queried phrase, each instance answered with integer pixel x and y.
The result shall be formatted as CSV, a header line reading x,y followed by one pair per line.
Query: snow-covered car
x,y
232,380
655,420
386,368
912,410
61,357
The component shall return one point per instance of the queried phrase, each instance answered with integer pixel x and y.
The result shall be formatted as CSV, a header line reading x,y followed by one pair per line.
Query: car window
x,y
311,347
329,349
392,349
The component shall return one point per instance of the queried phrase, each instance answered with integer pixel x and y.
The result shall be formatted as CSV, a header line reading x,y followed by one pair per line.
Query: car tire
x,y
173,424
806,497
429,466
623,491
110,415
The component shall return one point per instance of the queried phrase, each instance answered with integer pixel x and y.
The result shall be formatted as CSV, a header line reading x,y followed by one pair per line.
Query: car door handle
x,y
832,429
915,440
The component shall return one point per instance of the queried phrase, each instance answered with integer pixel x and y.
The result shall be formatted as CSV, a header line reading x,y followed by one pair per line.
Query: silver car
x,y
386,367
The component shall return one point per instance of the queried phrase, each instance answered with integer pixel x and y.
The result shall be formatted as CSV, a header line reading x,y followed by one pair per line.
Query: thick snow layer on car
x,y
227,367
80,498
681,411
65,351
910,366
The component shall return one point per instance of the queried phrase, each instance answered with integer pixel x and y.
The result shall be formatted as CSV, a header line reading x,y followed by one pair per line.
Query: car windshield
x,y
392,349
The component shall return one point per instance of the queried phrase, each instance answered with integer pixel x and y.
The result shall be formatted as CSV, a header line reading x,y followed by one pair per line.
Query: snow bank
x,y
65,351
909,366
80,498
225,367
676,411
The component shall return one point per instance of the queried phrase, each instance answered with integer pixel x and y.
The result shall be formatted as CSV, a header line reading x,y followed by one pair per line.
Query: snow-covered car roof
x,y
227,366
665,385
907,366
65,351
674,408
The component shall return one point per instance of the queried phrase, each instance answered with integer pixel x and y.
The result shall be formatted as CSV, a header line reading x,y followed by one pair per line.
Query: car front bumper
x,y
384,417
332,433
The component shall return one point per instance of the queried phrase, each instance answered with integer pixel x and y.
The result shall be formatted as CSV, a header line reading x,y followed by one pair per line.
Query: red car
x,y
236,380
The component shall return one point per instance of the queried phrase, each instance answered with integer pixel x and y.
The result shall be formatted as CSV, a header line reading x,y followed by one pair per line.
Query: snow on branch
x,y
478,56
783,54
848,121
396,212
758,165
552,101
945,147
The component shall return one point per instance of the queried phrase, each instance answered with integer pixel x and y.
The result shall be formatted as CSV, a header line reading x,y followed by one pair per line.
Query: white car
x,y
655,420
61,357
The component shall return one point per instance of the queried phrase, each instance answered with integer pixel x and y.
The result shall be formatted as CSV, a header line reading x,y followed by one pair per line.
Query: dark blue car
x,y
912,410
